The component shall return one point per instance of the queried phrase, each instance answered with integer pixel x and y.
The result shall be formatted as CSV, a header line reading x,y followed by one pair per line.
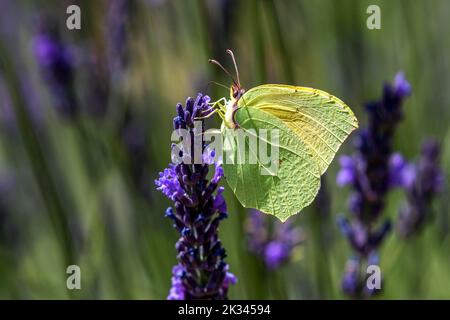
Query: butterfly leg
x,y
218,111
216,106
221,100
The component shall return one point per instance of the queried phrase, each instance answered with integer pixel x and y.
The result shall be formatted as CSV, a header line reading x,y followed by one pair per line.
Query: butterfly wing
x,y
319,119
281,186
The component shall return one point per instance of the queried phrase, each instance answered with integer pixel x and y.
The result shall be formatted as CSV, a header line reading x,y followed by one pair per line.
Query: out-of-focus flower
x,y
276,247
426,182
401,85
351,282
401,173
371,171
346,175
56,62
199,207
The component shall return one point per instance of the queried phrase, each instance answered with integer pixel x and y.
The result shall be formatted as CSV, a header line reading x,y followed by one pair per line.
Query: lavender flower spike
x,y
368,172
199,207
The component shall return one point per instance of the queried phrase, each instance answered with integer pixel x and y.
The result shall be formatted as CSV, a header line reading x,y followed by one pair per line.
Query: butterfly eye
x,y
237,92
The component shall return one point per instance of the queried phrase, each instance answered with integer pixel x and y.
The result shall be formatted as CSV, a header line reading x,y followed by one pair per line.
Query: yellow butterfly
x,y
312,125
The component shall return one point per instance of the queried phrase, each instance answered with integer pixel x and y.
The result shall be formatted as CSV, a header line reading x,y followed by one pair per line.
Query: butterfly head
x,y
236,92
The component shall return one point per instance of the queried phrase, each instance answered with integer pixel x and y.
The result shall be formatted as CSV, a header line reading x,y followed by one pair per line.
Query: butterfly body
x,y
236,92
230,108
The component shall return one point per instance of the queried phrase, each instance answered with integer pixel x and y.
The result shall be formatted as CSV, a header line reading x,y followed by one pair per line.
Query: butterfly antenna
x,y
235,66
216,83
217,63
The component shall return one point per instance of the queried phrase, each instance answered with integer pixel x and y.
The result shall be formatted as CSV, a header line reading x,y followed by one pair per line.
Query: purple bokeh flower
x,y
56,62
371,172
401,86
427,181
275,248
199,207
351,283
275,253
346,175
401,173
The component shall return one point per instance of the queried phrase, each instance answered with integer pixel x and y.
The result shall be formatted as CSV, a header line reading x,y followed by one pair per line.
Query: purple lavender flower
x,y
276,253
351,282
199,207
401,173
169,184
401,85
371,171
346,176
177,290
57,65
274,248
427,181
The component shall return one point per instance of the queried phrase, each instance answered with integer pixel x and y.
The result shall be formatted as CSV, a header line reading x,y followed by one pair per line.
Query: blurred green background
x,y
80,190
